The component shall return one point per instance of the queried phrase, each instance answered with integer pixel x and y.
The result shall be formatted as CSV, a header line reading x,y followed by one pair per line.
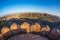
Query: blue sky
x,y
43,6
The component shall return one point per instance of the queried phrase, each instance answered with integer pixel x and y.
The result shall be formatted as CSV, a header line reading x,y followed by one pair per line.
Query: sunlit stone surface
x,y
14,29
4,30
27,37
45,30
25,26
35,28
13,26
1,36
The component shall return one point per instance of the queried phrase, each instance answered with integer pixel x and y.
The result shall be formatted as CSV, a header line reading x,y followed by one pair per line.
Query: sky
x,y
18,6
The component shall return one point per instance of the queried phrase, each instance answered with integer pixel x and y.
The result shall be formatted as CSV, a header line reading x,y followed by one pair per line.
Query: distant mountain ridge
x,y
43,16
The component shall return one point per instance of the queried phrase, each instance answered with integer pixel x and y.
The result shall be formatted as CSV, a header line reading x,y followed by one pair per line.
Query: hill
x,y
43,16
36,23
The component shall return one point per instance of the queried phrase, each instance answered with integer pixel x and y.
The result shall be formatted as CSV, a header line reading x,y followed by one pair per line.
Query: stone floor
x,y
28,37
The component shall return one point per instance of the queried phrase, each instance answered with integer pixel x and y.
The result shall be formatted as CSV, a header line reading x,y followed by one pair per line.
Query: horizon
x,y
43,6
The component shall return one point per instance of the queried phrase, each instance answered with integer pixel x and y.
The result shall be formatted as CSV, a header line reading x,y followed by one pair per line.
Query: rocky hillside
x,y
42,16
14,26
45,25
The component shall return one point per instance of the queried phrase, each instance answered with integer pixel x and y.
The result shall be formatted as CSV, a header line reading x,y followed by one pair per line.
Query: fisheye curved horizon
x,y
11,6
29,19
23,9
